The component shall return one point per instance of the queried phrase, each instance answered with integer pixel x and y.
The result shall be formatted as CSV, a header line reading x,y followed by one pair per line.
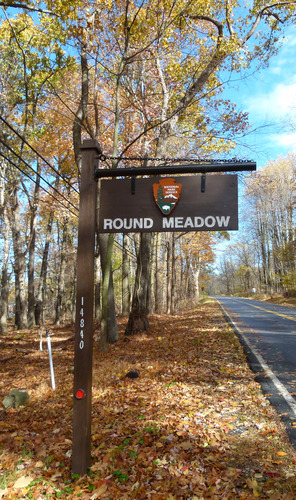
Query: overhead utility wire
x,y
117,244
38,154
31,179
120,246
37,173
50,194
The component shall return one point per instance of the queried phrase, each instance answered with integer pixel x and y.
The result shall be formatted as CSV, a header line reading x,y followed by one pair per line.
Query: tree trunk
x,y
158,280
4,274
173,270
138,321
31,262
19,266
81,112
73,299
168,273
41,291
126,275
4,292
109,331
195,275
151,288
60,299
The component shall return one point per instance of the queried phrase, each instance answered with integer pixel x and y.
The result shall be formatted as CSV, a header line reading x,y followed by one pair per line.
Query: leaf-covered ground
x,y
194,425
280,300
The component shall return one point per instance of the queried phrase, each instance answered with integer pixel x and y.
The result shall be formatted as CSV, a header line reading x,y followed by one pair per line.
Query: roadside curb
x,y
271,387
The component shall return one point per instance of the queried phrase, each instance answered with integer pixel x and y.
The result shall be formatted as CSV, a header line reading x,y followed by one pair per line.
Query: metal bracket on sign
x,y
133,184
203,182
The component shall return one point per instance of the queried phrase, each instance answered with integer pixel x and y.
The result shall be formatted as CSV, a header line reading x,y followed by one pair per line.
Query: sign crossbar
x,y
201,168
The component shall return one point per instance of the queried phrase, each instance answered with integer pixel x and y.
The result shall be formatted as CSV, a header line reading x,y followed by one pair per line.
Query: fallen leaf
x,y
135,486
186,445
22,482
98,492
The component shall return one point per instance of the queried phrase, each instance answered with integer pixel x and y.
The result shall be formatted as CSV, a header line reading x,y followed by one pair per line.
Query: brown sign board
x,y
160,204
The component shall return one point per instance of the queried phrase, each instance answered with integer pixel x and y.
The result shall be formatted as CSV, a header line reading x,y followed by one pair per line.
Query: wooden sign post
x,y
81,454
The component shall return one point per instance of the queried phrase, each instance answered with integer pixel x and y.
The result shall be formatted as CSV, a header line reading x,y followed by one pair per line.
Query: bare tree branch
x,y
27,7
265,10
201,17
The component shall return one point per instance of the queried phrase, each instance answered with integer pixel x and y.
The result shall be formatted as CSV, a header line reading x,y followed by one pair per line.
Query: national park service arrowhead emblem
x,y
166,194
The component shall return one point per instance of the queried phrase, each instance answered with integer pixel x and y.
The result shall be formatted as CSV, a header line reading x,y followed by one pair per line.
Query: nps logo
x,y
166,194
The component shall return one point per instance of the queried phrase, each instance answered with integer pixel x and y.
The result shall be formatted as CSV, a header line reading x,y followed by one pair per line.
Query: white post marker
x,y
50,360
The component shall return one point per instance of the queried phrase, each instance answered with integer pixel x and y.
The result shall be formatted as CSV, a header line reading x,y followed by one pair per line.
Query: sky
x,y
269,97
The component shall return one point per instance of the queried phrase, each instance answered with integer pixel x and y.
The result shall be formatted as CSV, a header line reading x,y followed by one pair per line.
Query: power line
x,y
116,243
9,180
31,179
38,154
37,173
120,246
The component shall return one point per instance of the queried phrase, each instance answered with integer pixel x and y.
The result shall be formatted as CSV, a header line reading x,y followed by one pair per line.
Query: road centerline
x,y
272,312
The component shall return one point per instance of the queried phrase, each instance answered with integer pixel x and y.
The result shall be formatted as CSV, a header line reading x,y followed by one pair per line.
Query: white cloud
x,y
269,97
275,103
281,64
290,39
272,94
284,140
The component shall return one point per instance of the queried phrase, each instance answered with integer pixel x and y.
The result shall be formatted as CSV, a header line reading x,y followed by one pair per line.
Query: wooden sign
x,y
159,204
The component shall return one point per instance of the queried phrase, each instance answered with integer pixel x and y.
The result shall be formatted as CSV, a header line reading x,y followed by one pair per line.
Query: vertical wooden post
x,y
81,455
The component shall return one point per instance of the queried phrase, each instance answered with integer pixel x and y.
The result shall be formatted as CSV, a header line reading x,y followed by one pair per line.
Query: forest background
x,y
145,79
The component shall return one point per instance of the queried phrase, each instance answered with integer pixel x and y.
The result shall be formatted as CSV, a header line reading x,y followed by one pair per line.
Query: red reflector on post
x,y
79,394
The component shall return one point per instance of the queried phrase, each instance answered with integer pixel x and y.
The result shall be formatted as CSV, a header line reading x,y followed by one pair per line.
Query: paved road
x,y
268,332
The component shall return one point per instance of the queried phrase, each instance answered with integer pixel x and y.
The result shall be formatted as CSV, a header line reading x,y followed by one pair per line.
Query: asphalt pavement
x,y
268,334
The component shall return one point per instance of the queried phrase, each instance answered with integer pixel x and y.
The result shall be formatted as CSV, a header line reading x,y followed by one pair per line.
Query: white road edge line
x,y
280,387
